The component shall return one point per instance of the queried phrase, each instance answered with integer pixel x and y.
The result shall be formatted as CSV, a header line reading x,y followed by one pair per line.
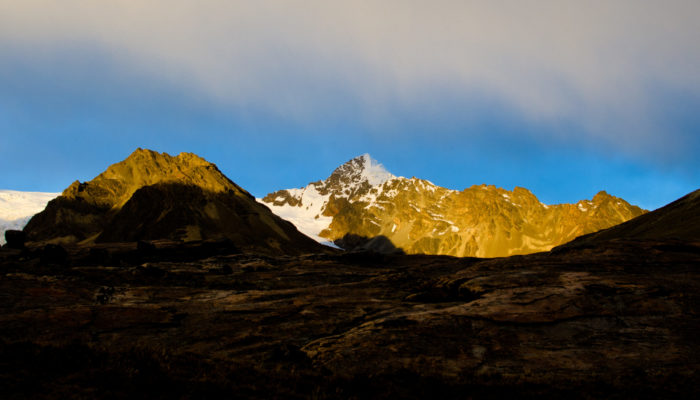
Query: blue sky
x,y
563,98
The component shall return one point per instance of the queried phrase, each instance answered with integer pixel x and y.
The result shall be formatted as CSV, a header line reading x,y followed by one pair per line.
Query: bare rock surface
x,y
618,320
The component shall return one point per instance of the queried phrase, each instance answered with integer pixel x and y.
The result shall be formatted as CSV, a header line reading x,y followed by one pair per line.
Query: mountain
x,y
154,195
312,208
361,200
679,220
16,208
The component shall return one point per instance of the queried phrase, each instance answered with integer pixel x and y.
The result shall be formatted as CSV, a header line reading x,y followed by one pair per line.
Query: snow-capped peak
x,y
357,171
373,171
306,206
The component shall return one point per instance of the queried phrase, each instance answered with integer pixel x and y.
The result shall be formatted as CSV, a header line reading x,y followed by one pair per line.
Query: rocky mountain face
x,y
362,200
154,195
679,220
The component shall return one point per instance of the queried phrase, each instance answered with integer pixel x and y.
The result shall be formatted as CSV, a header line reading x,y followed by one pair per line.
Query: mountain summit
x,y
358,171
360,199
115,186
152,196
311,208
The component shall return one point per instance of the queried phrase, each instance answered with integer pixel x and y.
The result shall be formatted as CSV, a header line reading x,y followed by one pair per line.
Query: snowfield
x,y
17,208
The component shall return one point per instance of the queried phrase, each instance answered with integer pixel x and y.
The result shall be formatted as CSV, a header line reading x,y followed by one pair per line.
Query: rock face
x,y
154,195
361,198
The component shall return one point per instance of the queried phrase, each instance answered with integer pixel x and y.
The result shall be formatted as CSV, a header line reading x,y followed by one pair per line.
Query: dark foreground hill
x,y
613,319
151,196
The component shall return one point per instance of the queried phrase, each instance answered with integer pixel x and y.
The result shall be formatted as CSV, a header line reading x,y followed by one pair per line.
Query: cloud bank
x,y
611,70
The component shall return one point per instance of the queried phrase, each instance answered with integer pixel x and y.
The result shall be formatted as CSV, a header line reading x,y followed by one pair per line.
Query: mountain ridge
x,y
421,217
678,220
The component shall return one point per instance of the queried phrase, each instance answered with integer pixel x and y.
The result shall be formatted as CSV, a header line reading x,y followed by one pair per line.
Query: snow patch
x,y
308,219
15,204
391,193
507,198
436,216
330,244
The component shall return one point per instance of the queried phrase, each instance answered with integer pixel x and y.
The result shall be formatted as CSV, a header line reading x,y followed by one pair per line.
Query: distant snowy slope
x,y
17,208
307,218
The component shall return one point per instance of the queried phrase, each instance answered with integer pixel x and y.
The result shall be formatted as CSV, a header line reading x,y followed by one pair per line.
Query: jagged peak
x,y
601,196
362,168
141,154
374,172
154,162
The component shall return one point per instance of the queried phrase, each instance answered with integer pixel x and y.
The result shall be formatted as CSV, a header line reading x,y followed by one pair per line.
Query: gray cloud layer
x,y
597,64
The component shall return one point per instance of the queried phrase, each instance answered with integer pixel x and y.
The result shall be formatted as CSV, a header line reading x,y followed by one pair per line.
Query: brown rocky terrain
x,y
362,199
151,196
612,318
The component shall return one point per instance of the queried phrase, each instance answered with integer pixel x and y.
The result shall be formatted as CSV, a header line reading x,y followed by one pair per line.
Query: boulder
x,y
15,239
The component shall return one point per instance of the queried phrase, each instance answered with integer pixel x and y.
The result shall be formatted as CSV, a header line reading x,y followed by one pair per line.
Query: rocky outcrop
x,y
152,195
15,239
361,198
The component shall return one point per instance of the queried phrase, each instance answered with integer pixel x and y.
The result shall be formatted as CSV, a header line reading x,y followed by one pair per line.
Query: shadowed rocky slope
x,y
360,198
153,196
614,319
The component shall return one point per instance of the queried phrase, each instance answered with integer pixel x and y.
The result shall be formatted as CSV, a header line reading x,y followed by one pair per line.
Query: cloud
x,y
597,65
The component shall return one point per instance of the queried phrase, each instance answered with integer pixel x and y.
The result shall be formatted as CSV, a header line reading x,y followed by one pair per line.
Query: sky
x,y
565,98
